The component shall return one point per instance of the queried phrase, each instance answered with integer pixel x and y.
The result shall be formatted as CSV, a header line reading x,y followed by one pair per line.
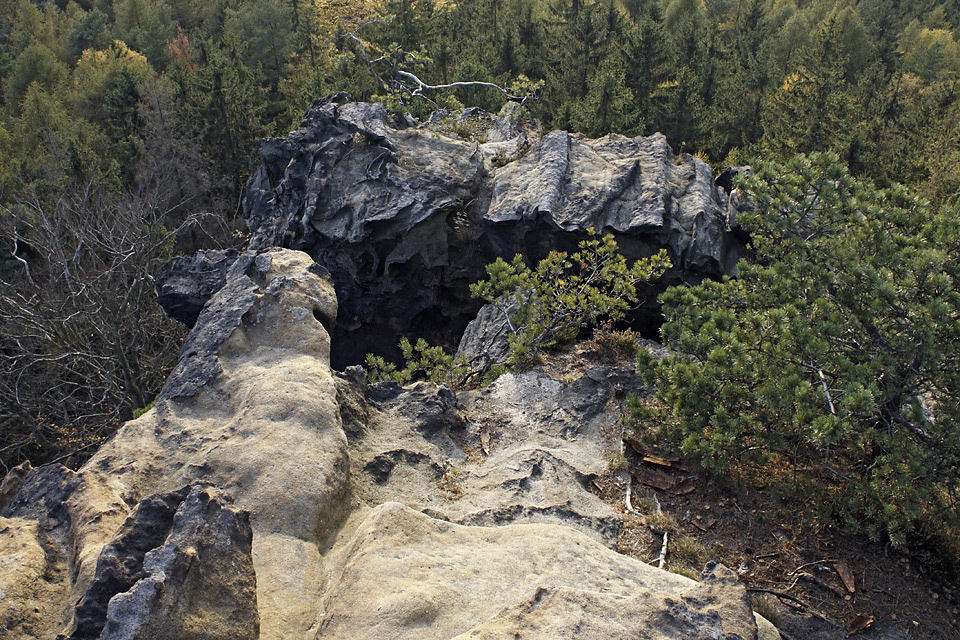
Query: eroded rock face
x,y
200,583
186,283
405,216
120,564
530,581
180,567
528,451
32,603
251,410
376,202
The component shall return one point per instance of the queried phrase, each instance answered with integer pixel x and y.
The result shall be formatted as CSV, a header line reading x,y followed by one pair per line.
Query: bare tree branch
x,y
422,86
403,82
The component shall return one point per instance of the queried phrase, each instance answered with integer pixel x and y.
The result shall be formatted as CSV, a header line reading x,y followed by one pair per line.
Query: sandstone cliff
x,y
265,496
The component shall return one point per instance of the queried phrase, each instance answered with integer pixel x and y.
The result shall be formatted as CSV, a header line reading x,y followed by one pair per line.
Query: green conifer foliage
x,y
549,304
35,64
543,306
835,351
421,361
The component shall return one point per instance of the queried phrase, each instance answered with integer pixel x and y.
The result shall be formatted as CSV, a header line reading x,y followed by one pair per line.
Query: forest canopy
x,y
873,81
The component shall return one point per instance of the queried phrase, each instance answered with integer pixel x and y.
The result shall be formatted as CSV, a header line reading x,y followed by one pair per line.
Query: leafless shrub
x,y
82,341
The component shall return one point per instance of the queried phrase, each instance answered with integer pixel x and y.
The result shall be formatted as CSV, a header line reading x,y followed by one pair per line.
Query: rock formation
x,y
251,410
268,496
405,215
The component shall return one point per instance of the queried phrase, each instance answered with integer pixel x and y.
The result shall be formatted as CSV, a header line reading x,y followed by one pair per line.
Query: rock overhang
x,y
405,215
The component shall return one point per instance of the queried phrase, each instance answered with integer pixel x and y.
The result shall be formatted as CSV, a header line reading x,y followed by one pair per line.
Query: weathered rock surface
x,y
120,564
251,409
11,482
31,603
199,583
527,452
403,574
180,567
186,283
267,497
485,341
405,215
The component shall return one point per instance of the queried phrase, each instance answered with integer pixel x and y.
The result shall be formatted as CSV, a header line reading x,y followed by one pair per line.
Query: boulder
x,y
485,341
199,583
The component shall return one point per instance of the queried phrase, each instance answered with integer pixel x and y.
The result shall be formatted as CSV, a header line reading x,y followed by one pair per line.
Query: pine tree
x,y
837,346
609,105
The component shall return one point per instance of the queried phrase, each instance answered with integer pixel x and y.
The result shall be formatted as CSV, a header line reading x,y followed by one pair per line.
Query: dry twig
x,y
787,596
663,552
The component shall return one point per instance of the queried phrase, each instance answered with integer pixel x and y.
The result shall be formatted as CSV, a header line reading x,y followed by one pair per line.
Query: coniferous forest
x,y
129,127
96,91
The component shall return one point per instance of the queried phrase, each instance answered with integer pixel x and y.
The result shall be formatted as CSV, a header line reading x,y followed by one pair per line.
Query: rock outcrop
x,y
182,574
531,581
485,341
267,497
406,215
528,452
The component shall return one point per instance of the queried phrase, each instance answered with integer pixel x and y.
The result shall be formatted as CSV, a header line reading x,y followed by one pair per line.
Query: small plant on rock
x,y
421,362
549,304
623,343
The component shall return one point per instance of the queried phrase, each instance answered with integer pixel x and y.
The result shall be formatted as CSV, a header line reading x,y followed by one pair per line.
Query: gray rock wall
x,y
405,216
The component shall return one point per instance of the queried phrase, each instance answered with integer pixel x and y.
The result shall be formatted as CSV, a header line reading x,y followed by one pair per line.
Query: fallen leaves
x,y
658,471
485,439
683,487
635,445
846,575
704,524
859,623
669,463
659,480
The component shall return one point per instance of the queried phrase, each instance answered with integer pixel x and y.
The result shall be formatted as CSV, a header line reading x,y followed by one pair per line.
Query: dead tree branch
x,y
399,81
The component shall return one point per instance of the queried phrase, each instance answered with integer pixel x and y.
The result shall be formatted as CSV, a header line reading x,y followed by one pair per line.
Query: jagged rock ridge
x,y
406,215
